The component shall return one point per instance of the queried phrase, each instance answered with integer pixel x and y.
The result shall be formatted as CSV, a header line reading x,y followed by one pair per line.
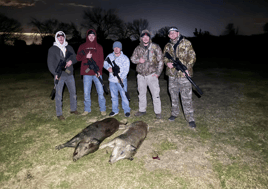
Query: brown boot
x,y
75,112
61,117
158,116
138,114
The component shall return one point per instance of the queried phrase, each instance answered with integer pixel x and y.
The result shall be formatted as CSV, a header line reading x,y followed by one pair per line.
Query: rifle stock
x,y
179,66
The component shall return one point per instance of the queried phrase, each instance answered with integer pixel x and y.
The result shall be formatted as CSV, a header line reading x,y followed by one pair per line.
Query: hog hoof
x,y
58,147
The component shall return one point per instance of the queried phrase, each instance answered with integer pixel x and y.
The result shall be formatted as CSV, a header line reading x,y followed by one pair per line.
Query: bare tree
x,y
106,23
137,26
201,33
162,32
230,30
124,31
75,33
9,29
265,28
49,27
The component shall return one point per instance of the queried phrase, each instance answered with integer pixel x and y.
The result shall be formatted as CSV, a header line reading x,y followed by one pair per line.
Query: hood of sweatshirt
x,y
58,44
145,31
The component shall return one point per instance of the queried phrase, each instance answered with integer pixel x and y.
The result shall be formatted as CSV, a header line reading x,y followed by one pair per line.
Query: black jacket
x,y
55,55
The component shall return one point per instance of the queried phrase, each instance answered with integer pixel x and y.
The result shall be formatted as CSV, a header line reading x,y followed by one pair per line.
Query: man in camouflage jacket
x,y
149,59
178,83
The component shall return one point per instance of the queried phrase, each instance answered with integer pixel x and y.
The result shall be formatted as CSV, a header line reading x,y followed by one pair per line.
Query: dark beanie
x,y
91,32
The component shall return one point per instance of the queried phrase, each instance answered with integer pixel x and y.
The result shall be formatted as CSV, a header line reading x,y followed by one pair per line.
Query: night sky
x,y
209,15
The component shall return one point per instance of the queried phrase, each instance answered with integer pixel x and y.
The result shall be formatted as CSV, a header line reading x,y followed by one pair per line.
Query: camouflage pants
x,y
184,87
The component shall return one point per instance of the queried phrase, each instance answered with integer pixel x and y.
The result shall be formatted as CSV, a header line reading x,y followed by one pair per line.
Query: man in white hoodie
x,y
56,53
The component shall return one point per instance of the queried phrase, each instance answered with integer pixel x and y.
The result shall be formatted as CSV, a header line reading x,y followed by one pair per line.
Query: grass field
x,y
228,149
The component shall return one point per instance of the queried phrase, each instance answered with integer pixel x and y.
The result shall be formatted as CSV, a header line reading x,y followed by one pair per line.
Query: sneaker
x,y
61,117
138,114
112,114
158,116
103,113
85,113
75,112
192,124
127,114
172,118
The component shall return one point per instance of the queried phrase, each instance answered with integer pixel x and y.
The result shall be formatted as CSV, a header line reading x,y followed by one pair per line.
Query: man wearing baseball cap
x,y
56,53
149,59
180,48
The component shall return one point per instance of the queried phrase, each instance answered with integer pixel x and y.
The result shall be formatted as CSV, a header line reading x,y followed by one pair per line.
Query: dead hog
x,y
126,145
89,139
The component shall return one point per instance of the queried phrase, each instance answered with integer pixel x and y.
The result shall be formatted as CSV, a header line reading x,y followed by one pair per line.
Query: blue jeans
x,y
115,88
69,81
87,80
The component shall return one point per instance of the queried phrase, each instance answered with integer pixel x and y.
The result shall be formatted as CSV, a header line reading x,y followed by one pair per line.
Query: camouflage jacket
x,y
184,52
153,59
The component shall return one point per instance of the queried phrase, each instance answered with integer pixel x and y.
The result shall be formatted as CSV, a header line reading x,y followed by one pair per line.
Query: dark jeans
x,y
70,83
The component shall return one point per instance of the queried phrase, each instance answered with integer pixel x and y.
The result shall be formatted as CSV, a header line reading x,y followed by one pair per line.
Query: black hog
x,y
89,139
126,145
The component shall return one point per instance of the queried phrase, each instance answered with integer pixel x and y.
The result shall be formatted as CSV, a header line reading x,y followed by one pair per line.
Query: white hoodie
x,y
61,46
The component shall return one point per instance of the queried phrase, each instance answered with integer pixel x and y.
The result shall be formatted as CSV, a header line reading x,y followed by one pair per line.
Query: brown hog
x,y
126,145
89,139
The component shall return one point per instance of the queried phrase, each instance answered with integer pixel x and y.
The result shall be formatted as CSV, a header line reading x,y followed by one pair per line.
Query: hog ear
x,y
95,141
131,148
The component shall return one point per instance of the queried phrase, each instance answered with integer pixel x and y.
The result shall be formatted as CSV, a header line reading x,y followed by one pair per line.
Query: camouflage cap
x,y
145,32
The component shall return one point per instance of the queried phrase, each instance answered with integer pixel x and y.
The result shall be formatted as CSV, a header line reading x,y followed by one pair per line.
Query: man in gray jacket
x,y
149,59
56,53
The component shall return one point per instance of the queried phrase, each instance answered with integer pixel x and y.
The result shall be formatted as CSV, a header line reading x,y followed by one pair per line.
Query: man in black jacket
x,y
56,53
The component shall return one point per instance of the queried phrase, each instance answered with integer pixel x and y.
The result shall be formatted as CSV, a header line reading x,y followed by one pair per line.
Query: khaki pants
x,y
153,84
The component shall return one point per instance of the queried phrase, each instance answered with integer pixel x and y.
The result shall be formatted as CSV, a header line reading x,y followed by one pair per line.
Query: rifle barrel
x,y
182,70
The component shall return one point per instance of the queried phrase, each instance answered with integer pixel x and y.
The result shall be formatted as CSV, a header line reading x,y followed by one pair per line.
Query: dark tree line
x,y
9,29
107,24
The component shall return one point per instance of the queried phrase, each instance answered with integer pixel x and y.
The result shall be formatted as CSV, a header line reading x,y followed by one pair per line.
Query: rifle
x,y
92,65
60,68
179,66
116,71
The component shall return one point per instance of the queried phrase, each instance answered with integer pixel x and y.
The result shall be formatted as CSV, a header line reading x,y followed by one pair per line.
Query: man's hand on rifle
x,y
120,79
155,75
110,70
56,77
68,64
89,55
186,72
97,75
170,65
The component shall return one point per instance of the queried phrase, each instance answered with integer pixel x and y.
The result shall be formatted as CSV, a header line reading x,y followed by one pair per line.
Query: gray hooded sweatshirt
x,y
57,52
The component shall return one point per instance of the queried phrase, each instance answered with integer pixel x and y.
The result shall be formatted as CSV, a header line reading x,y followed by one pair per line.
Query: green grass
x,y
228,149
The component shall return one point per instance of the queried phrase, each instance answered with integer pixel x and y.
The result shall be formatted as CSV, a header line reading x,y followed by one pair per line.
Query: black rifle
x,y
179,66
93,66
60,68
116,71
